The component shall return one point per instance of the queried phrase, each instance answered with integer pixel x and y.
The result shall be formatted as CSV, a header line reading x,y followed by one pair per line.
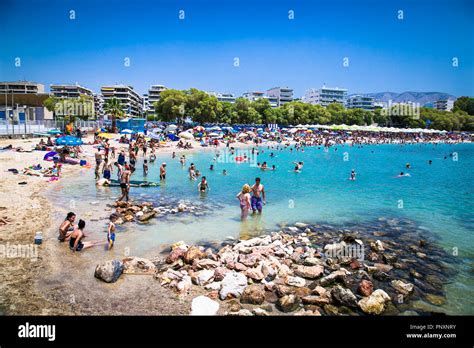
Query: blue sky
x,y
385,53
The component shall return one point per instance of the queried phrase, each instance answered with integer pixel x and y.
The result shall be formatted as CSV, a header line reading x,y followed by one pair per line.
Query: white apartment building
x,y
132,102
252,96
21,87
223,97
154,93
360,102
326,95
67,91
282,94
444,105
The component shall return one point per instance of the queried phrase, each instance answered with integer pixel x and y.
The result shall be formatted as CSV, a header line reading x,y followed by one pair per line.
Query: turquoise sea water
x,y
437,197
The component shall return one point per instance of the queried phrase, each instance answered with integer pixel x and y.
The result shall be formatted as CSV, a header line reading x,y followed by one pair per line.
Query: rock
x,y
233,285
301,225
184,284
389,258
203,277
250,260
435,299
301,292
181,207
147,216
253,294
109,271
219,273
421,255
375,303
138,265
288,303
234,306
283,290
213,286
206,264
240,267
127,217
203,305
175,254
415,274
254,273
243,313
402,287
377,246
343,296
383,267
260,312
293,229
303,312
193,253
310,272
295,281
355,264
381,276
321,291
312,261
339,275
316,300
331,310
366,288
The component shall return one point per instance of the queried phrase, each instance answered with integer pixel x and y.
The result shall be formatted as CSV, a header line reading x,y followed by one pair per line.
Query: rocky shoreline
x,y
391,268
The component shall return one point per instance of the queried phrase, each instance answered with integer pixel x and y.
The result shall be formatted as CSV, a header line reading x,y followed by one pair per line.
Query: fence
x,y
32,127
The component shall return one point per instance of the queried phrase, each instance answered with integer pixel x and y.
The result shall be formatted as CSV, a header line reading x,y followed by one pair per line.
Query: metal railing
x,y
7,127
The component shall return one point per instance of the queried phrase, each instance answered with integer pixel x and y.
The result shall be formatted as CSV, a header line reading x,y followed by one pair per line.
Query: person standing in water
x,y
244,198
111,230
145,167
163,171
203,186
125,183
258,196
353,174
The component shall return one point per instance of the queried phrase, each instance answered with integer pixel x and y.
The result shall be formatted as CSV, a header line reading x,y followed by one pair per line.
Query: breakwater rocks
x,y
310,270
142,212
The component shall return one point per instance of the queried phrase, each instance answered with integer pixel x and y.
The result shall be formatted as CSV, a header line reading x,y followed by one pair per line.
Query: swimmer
x,y
353,175
211,167
145,167
264,166
408,165
103,182
402,175
224,172
244,198
203,186
430,161
163,171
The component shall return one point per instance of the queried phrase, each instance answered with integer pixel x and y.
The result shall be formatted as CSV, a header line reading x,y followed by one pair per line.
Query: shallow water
x,y
437,198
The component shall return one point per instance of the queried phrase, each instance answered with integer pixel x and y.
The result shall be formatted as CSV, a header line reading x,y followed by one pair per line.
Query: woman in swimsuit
x,y
66,228
244,199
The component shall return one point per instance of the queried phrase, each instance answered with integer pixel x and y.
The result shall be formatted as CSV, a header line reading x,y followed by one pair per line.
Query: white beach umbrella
x,y
186,135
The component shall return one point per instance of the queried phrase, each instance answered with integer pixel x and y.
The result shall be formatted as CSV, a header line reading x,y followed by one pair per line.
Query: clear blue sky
x,y
385,53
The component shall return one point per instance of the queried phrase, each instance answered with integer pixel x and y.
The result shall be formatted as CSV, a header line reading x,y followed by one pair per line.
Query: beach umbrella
x,y
54,131
49,155
186,135
127,131
250,133
242,135
69,141
215,128
199,128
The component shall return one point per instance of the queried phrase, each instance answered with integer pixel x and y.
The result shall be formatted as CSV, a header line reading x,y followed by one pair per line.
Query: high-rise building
x,y
444,104
282,94
67,91
360,102
132,102
154,93
98,105
326,95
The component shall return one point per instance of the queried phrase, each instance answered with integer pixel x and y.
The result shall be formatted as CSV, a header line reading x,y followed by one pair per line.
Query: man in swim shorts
x,y
258,196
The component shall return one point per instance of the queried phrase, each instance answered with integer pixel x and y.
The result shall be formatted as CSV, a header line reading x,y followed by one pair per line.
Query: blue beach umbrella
x,y
69,141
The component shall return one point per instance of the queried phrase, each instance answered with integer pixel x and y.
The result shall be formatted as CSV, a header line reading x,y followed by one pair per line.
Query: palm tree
x,y
114,108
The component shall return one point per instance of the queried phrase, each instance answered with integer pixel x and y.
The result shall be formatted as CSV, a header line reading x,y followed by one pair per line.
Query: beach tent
x,y
69,141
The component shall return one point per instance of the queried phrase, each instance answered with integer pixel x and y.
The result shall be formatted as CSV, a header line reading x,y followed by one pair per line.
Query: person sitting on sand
x,y
75,241
203,186
66,227
111,230
244,198
49,142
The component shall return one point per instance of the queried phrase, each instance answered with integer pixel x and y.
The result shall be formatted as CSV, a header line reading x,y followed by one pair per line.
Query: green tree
x,y
171,106
464,104
113,107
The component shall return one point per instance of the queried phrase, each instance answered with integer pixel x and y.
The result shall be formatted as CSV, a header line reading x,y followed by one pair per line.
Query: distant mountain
x,y
416,97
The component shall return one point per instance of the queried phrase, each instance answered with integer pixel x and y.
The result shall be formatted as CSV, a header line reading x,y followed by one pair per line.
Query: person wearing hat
x,y
163,171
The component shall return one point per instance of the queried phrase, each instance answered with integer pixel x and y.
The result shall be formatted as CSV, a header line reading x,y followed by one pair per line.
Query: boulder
x,y
253,294
203,305
375,303
250,260
146,216
203,277
383,267
301,225
175,255
233,285
288,303
283,290
260,312
365,287
206,264
213,286
193,253
312,261
254,273
339,275
402,287
184,284
109,271
219,273
310,272
316,300
138,265
295,281
343,296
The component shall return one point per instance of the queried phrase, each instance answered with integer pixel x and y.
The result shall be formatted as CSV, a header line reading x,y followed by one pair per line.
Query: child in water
x,y
111,230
